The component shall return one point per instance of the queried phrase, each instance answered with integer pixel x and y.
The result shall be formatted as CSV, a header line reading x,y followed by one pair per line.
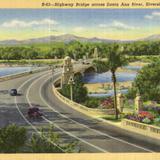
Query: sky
x,y
118,24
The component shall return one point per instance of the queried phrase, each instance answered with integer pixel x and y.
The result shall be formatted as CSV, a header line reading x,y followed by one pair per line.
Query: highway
x,y
93,135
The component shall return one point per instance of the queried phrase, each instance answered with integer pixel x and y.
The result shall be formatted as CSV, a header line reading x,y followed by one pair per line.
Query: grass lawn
x,y
112,118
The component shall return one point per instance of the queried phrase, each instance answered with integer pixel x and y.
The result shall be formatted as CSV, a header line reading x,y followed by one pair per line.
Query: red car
x,y
34,112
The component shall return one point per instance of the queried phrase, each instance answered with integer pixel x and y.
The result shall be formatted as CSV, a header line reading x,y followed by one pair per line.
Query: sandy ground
x,y
138,63
102,87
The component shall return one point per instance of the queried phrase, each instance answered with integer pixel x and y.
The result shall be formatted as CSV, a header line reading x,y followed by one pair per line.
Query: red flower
x,y
145,114
107,103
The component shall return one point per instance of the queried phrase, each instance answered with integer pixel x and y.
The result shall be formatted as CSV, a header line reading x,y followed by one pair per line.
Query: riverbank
x,y
103,87
138,63
26,62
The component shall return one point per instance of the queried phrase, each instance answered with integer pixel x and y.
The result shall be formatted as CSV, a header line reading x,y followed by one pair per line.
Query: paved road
x,y
93,135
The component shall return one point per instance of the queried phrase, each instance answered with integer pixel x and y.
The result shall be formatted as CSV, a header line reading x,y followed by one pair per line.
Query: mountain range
x,y
70,37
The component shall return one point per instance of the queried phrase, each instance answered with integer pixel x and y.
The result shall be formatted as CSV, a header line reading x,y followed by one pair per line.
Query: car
x,y
13,92
34,112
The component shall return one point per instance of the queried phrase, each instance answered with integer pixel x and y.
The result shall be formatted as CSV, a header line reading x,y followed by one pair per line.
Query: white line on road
x,y
70,134
99,132
27,119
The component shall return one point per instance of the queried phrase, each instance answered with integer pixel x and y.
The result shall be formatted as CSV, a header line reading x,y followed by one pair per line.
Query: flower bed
x,y
149,115
107,103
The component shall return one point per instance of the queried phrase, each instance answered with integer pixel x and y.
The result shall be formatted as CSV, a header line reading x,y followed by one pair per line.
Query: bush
x,y
92,102
146,120
157,121
12,139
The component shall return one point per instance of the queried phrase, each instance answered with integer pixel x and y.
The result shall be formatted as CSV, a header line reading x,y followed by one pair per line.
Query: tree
x,y
147,82
115,59
12,138
80,92
56,52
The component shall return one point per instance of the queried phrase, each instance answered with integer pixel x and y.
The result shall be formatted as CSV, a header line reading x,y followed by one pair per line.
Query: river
x,y
5,71
123,76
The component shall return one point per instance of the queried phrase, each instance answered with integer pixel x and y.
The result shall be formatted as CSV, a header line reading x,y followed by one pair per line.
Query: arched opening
x,y
90,70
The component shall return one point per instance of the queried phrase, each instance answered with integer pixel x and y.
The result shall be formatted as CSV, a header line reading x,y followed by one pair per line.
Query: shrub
x,y
157,121
92,102
12,139
146,120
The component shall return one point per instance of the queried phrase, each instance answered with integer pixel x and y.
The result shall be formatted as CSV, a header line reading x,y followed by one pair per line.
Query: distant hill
x,y
154,37
70,37
61,38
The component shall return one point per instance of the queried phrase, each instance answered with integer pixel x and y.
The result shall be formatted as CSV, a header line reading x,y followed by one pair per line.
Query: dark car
x,y
34,112
13,92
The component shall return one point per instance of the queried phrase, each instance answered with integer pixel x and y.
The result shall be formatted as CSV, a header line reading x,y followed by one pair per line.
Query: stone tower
x,y
67,70
95,53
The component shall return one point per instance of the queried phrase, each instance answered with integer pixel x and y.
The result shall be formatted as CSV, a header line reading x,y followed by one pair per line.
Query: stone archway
x,y
90,70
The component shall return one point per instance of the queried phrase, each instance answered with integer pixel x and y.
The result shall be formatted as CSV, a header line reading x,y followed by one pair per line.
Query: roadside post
x,y
52,72
71,83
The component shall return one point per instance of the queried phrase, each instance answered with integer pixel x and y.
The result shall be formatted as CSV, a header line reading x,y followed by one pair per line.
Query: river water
x,y
106,77
5,71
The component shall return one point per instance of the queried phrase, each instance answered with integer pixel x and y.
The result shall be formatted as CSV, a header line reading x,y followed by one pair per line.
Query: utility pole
x,y
52,72
71,82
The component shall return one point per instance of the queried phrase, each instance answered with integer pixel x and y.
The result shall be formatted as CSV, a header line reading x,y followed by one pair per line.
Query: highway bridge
x,y
92,134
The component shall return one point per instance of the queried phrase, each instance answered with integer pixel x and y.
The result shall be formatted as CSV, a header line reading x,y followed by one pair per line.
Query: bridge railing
x,y
146,129
82,108
140,128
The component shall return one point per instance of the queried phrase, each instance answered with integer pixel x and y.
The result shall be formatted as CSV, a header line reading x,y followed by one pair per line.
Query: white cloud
x,y
153,15
118,25
78,29
148,17
103,25
24,24
156,14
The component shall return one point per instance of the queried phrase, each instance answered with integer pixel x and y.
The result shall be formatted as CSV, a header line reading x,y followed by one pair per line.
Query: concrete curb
x,y
124,129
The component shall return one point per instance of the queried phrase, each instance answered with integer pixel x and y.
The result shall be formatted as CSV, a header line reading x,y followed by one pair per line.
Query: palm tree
x,y
115,59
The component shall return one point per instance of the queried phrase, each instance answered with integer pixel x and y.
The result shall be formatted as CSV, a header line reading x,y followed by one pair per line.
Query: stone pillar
x,y
138,103
95,54
87,55
67,70
120,102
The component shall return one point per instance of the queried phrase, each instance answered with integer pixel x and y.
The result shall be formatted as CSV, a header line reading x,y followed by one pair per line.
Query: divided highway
x,y
92,134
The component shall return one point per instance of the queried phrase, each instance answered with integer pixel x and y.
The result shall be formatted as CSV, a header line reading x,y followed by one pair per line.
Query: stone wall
x,y
81,108
145,129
